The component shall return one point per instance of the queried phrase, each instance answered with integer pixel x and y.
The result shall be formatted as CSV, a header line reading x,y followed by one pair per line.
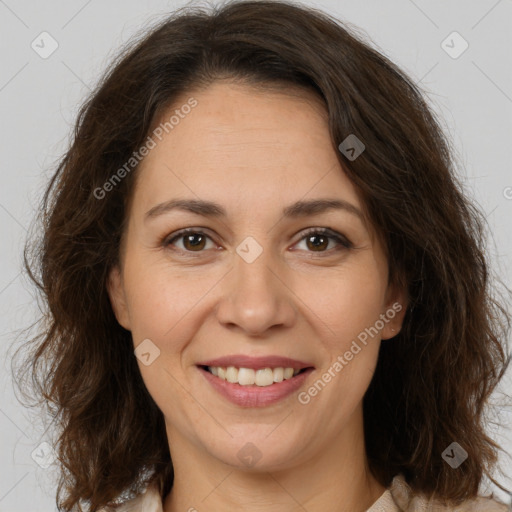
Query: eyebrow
x,y
295,210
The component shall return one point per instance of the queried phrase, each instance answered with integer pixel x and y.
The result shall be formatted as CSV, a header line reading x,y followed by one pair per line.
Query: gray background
x,y
39,99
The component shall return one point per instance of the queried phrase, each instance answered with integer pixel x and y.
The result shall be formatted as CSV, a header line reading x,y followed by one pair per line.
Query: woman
x,y
265,287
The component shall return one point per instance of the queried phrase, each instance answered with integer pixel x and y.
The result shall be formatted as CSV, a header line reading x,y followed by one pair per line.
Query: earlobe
x,y
396,307
115,290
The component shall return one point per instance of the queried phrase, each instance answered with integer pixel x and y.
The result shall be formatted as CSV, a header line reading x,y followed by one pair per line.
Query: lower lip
x,y
256,396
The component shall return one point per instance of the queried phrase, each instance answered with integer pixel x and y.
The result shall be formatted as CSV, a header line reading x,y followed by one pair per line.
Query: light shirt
x,y
398,498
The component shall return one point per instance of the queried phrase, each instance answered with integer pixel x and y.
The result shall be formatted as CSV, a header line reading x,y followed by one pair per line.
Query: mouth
x,y
255,382
262,377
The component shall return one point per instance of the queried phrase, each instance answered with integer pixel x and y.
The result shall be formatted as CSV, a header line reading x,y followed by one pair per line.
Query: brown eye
x,y
192,240
317,240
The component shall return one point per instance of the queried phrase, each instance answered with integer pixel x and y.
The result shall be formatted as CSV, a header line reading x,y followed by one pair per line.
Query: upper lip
x,y
256,363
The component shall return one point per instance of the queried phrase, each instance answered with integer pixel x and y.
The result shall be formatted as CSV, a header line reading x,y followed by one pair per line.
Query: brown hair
x,y
433,380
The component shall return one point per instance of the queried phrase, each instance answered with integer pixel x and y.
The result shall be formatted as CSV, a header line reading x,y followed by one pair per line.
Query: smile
x,y
247,387
249,377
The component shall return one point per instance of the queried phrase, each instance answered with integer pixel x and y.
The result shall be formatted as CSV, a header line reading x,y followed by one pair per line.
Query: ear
x,y
115,289
394,311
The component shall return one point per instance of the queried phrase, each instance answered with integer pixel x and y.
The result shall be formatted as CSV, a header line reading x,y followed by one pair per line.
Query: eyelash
x,y
331,234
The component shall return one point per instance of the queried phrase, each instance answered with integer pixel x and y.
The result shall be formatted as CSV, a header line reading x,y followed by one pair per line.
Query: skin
x,y
254,152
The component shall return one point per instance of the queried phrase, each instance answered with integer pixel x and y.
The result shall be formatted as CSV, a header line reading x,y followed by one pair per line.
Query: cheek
x,y
351,309
162,311
348,303
161,301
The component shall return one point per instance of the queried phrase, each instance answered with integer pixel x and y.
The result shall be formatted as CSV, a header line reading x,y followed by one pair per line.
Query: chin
x,y
258,452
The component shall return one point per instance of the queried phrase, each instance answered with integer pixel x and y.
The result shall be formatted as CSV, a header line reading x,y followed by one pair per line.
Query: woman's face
x,y
254,278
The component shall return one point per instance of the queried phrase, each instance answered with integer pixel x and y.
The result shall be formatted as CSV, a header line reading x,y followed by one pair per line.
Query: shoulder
x,y
407,501
147,501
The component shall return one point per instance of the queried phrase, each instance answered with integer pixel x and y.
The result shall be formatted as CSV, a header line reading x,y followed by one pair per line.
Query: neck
x,y
338,474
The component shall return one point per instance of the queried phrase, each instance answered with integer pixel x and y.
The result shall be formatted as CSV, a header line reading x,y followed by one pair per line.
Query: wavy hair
x,y
433,381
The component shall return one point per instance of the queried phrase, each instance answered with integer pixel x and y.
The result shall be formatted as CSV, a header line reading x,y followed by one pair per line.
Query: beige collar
x,y
398,498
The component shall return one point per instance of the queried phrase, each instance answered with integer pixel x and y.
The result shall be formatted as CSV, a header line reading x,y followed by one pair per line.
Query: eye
x,y
193,240
317,239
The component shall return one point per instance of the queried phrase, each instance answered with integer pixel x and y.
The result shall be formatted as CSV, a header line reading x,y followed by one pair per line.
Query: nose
x,y
256,297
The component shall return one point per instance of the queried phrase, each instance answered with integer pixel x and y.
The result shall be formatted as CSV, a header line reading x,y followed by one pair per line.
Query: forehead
x,y
245,146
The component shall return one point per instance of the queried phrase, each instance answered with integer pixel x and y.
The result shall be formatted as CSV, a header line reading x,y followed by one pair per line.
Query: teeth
x,y
231,374
264,377
278,374
248,377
